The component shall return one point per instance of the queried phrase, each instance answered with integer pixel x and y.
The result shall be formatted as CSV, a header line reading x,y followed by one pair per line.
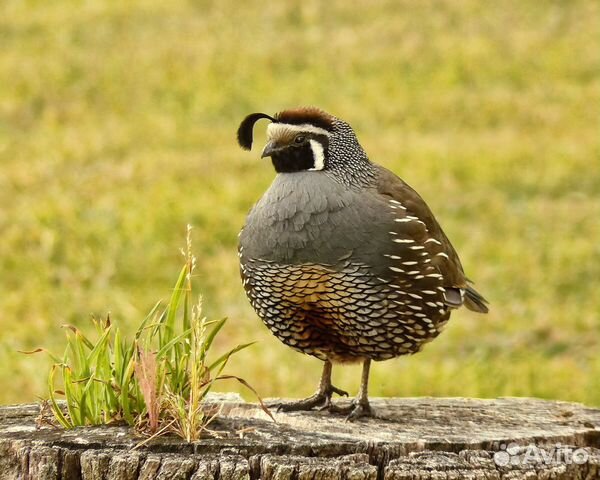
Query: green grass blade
x,y
118,356
79,333
174,303
149,317
129,410
87,404
56,410
168,346
98,349
213,333
223,358
71,395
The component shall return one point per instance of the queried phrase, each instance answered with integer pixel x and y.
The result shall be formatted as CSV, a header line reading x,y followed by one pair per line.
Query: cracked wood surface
x,y
411,438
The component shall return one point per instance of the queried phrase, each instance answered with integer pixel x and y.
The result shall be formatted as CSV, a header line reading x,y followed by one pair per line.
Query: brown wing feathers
x,y
443,255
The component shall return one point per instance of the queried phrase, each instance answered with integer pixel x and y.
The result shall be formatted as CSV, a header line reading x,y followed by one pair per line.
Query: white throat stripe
x,y
276,129
318,155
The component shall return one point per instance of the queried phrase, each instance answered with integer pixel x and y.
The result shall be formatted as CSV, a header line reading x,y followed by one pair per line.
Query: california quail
x,y
340,258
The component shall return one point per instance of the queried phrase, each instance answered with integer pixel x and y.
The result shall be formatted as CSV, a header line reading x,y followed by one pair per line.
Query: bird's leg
x,y
360,405
321,398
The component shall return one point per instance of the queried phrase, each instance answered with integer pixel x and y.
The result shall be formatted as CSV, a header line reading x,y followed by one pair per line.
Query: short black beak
x,y
269,150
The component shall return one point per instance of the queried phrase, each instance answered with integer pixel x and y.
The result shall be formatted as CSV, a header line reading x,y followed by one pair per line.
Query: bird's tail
x,y
475,301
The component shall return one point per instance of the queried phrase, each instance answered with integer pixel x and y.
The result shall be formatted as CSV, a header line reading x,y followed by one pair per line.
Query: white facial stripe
x,y
318,155
277,129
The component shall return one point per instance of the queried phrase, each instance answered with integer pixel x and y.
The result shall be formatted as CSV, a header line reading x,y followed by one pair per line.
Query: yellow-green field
x,y
117,123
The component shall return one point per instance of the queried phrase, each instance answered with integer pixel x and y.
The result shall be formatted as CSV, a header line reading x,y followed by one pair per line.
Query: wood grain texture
x,y
411,438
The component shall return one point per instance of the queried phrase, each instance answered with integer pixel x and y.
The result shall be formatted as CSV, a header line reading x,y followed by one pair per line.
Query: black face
x,y
298,155
293,158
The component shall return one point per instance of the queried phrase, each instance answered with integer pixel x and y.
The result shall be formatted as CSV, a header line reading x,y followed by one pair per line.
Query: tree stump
x,y
411,438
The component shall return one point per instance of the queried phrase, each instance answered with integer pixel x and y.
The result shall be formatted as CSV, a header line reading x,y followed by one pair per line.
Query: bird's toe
x,y
314,401
360,410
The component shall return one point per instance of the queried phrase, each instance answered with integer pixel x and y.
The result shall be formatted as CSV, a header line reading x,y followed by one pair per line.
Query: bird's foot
x,y
354,411
321,400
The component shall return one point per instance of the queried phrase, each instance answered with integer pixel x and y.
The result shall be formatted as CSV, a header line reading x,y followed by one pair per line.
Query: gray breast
x,y
308,217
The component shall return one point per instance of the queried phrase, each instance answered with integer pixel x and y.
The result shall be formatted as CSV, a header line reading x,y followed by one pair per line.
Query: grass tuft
x,y
158,381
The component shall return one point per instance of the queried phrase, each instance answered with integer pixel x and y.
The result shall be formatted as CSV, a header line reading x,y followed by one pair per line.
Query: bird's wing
x,y
419,238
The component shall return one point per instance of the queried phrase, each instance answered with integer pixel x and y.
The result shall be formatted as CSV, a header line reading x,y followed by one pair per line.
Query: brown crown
x,y
311,115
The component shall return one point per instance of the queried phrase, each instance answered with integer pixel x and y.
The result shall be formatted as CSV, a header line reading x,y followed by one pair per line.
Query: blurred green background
x,y
117,123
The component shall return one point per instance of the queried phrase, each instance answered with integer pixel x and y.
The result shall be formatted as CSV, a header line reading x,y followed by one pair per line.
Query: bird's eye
x,y
299,138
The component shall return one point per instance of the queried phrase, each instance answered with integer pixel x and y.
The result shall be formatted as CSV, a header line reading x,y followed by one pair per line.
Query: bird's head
x,y
304,139
297,139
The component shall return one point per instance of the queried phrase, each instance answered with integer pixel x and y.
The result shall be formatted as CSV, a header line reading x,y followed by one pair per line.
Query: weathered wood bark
x,y
412,438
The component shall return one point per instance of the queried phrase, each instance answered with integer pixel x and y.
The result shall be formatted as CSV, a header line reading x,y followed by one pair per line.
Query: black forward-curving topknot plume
x,y
244,133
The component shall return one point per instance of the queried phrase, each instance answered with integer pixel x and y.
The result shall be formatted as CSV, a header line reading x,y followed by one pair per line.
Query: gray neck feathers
x,y
347,162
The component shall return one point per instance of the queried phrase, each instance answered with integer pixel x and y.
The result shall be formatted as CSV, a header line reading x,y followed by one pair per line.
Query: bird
x,y
340,258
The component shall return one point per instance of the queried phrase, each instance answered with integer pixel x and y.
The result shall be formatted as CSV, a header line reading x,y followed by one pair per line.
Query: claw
x,y
326,405
360,410
309,403
320,400
353,411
